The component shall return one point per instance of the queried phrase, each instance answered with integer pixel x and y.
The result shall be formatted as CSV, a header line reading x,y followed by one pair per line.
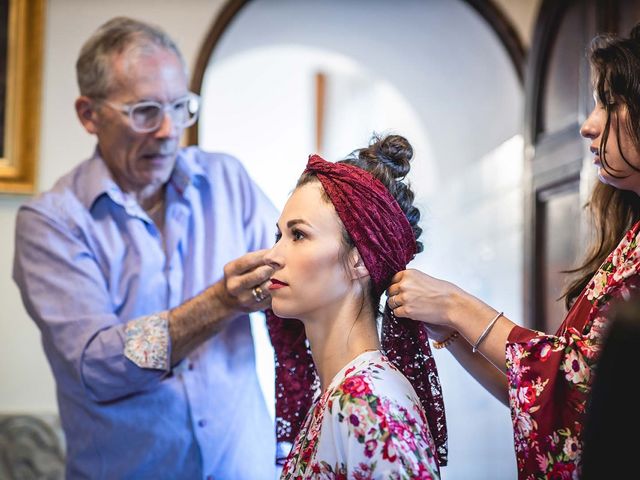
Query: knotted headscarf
x,y
385,240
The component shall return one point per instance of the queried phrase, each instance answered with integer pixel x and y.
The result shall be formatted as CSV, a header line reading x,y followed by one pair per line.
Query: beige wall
x,y
523,14
26,384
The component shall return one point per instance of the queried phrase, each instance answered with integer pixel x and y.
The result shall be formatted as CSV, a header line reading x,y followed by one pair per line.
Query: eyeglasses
x,y
147,116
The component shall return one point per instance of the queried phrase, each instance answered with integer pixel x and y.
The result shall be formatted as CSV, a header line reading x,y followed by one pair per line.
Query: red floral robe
x,y
550,377
368,424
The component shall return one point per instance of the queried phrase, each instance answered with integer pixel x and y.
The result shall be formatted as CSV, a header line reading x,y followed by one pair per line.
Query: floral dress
x,y
550,377
368,424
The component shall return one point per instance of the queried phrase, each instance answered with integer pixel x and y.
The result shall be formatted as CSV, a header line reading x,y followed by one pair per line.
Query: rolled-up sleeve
x,y
67,295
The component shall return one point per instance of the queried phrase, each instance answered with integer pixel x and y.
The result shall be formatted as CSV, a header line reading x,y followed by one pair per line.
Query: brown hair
x,y
615,64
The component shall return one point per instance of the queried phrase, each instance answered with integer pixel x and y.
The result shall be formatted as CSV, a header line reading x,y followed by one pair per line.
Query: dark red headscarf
x,y
386,242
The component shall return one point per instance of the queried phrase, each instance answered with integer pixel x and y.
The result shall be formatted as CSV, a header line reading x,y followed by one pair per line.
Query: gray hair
x,y
94,68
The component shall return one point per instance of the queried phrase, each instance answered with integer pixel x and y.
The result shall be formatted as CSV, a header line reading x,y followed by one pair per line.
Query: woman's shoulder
x,y
375,383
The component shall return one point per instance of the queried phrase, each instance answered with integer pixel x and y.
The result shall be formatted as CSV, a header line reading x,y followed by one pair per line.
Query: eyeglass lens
x,y
148,115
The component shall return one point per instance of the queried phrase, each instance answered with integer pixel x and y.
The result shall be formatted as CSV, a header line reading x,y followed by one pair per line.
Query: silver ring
x,y
258,294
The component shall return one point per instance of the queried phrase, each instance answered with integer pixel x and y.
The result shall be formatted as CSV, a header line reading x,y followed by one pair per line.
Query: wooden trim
x,y
548,22
23,95
321,89
220,24
549,19
568,183
505,31
600,15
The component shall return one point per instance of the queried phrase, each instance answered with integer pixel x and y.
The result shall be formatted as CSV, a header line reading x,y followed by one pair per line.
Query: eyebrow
x,y
295,221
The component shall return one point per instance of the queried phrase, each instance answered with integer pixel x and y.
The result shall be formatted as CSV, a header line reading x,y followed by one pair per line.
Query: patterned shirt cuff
x,y
147,341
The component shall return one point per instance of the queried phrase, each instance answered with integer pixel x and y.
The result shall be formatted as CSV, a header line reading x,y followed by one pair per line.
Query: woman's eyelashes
x,y
296,235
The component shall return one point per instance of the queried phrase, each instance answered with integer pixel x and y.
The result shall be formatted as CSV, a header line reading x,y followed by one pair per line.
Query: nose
x,y
591,127
167,127
273,258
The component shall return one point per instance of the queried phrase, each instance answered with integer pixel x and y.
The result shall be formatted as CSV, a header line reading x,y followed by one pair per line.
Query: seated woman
x,y
347,228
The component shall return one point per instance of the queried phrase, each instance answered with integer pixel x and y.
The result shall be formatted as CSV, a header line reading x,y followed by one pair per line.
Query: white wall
x,y
26,384
270,91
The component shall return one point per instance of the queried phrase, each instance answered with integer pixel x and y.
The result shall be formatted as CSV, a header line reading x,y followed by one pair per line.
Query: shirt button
x,y
191,366
202,423
209,477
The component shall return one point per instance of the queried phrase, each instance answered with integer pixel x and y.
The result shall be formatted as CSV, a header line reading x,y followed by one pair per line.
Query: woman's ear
x,y
357,269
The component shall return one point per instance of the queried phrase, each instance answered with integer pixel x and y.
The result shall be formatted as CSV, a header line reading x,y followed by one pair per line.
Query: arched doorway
x,y
437,71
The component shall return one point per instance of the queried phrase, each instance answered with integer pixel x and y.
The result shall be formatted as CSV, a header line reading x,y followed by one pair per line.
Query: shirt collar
x,y
96,179
186,171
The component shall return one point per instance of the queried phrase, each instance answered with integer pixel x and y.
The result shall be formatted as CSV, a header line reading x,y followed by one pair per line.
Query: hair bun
x,y
394,152
388,159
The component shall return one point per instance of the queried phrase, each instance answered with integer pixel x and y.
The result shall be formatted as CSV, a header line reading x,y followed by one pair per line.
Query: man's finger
x,y
247,262
248,280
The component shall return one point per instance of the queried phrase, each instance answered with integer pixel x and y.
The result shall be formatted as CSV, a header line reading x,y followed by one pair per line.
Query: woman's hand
x,y
416,295
442,305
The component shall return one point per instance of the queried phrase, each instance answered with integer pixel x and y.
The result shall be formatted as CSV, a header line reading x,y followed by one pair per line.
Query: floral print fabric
x,y
147,341
368,424
550,377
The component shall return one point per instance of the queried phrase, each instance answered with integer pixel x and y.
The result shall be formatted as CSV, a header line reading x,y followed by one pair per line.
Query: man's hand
x,y
244,283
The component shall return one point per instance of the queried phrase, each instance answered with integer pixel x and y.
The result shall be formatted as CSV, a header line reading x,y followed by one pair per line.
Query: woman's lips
x,y
276,284
596,156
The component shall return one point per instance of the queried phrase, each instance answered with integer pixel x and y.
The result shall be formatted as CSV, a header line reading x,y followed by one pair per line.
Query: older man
x,y
127,266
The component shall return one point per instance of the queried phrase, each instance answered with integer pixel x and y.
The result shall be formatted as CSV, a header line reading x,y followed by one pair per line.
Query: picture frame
x,y
21,58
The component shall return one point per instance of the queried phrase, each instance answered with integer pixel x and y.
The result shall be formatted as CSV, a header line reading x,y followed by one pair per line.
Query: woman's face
x,y
620,142
310,275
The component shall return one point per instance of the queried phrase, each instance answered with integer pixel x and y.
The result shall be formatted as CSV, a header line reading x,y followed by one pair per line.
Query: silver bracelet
x,y
485,332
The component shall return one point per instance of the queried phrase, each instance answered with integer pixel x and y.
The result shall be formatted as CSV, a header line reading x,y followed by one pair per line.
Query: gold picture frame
x,y
21,44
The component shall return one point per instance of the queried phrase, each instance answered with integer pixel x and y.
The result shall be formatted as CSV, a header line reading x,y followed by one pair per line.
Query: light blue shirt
x,y
88,260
